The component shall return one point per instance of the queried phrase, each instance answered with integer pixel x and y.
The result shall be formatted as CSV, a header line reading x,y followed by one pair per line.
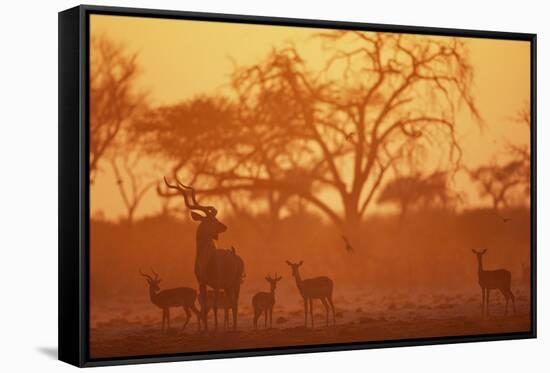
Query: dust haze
x,y
313,187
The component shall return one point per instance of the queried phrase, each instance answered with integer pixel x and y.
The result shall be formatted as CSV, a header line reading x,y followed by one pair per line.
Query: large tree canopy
x,y
411,191
507,180
292,130
113,96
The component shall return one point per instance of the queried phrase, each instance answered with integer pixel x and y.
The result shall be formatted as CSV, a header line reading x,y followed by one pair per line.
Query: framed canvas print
x,y
238,186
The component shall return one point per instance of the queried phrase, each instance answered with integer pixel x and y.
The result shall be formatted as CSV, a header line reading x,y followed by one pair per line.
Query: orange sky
x,y
180,59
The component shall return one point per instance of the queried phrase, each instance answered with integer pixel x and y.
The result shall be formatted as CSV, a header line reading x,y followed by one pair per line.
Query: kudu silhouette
x,y
216,268
265,301
314,288
500,279
175,297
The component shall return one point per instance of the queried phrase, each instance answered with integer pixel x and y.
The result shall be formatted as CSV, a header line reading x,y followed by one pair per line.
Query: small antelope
x,y
175,297
264,302
498,279
314,288
223,302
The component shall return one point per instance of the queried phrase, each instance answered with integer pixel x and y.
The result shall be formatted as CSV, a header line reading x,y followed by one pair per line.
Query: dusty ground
x,y
118,330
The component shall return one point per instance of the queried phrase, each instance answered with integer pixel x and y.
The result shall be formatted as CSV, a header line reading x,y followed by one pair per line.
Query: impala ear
x,y
287,262
196,217
484,251
267,279
301,262
475,252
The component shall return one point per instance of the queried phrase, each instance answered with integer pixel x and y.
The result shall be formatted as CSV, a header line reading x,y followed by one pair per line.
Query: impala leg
x,y
226,318
188,316
271,317
224,309
204,305
507,298
235,304
232,306
215,309
484,310
487,304
311,311
256,316
265,318
482,302
513,300
163,319
506,307
228,306
168,317
305,310
198,315
325,304
333,313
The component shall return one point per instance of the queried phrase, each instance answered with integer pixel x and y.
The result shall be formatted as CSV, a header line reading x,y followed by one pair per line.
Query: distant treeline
x,y
430,249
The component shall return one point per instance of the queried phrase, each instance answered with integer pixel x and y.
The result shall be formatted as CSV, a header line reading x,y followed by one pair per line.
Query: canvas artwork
x,y
259,186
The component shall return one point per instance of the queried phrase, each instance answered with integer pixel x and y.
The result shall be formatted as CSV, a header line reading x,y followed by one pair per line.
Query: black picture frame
x,y
73,180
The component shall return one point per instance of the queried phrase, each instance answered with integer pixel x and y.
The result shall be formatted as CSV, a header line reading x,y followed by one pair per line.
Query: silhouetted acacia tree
x,y
132,184
507,181
413,191
522,153
190,134
113,97
378,97
203,139
339,129
497,182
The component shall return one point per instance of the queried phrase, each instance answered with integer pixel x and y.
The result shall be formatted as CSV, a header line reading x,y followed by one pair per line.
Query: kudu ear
x,y
196,217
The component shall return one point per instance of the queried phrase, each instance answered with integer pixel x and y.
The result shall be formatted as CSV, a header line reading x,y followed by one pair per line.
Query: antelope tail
x,y
243,276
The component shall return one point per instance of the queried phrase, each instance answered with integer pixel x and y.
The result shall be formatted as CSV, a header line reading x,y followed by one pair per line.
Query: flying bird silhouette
x,y
349,136
348,246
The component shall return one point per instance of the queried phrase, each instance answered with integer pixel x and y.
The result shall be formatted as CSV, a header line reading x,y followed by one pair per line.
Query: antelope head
x,y
152,281
295,267
479,253
209,227
273,281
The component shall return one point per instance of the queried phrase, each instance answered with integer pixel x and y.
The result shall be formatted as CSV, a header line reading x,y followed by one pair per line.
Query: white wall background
x,y
28,184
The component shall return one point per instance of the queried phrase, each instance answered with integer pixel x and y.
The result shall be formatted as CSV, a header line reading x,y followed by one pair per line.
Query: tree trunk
x,y
131,212
352,221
